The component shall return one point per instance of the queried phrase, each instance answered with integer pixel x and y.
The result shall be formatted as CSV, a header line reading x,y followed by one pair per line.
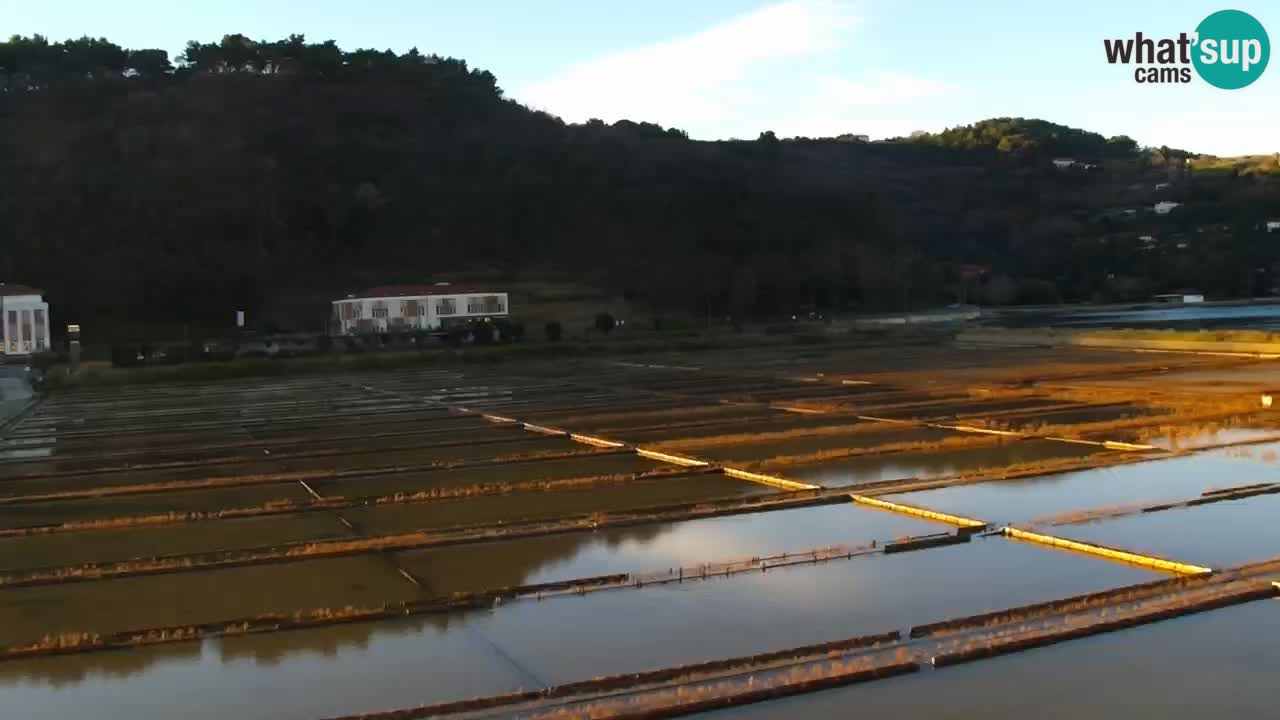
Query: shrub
x,y
124,356
555,331
482,332
174,355
605,323
454,336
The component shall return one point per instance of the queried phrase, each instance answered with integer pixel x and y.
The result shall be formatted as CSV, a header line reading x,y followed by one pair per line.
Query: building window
x,y
446,306
380,312
39,320
484,304
422,310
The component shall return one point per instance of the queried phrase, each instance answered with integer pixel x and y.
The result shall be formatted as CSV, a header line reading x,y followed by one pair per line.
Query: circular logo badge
x,y
1233,49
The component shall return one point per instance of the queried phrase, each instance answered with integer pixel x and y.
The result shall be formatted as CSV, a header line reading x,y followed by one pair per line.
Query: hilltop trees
x,y
247,174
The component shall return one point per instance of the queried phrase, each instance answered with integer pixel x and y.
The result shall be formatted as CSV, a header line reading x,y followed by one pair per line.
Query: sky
x,y
733,68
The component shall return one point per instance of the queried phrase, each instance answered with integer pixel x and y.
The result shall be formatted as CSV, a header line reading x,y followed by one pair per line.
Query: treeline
x,y
32,63
146,192
1032,138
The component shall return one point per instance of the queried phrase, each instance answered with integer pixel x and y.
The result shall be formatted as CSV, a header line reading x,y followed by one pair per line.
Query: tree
x,y
605,323
554,331
149,64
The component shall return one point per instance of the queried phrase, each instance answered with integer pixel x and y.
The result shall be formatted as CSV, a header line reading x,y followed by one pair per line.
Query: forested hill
x,y
133,186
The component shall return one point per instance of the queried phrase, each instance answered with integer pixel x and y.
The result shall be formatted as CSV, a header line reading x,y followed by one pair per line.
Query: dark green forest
x,y
135,185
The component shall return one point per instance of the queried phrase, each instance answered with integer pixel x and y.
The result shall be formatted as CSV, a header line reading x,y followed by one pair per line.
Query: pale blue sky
x,y
731,68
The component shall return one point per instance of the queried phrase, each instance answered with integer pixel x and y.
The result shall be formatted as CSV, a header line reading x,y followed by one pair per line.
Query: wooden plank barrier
x,y
1106,552
771,480
902,509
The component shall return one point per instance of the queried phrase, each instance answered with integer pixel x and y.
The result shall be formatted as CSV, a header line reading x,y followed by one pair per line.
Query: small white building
x,y
1165,207
1063,163
1273,226
406,308
24,320
1187,298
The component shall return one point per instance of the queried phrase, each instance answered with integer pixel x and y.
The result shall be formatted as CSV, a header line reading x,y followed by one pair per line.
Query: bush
x,y
124,356
482,332
555,331
174,355
657,324
454,336
509,331
605,323
324,343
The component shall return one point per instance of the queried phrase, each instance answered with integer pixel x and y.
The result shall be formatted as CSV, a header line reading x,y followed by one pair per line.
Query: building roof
x,y
422,289
10,289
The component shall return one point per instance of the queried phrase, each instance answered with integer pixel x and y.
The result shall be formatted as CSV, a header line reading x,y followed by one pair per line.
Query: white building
x,y
1164,207
24,320
1063,163
405,308
1273,226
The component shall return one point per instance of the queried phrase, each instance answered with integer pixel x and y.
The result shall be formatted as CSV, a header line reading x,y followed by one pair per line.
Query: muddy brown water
x,y
510,472
225,455
860,438
46,513
423,456
540,505
27,614
309,674
76,548
1211,665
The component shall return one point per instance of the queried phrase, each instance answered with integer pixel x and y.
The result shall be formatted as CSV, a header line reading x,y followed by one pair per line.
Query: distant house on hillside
x,y
1165,207
1063,163
24,320
1163,186
1273,226
1182,298
406,308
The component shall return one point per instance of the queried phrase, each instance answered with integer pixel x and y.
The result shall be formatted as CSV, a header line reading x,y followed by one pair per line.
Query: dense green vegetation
x,y
140,190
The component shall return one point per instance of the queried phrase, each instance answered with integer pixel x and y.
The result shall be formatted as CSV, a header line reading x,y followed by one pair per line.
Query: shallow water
x,y
75,548
1147,483
47,513
656,547
860,440
27,614
873,468
538,505
1217,535
512,472
423,456
309,674
1210,665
